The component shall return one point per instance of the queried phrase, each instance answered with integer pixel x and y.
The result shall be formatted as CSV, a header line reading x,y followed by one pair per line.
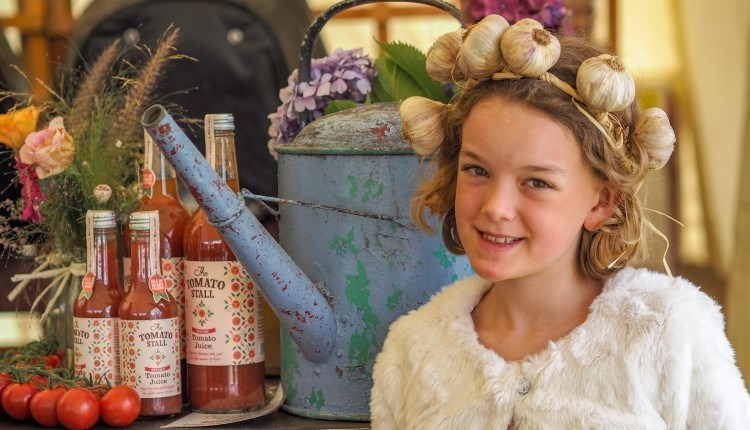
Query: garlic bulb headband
x,y
493,49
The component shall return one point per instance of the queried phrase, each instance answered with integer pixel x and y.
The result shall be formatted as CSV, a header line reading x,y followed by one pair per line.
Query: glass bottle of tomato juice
x,y
225,352
95,313
149,325
160,194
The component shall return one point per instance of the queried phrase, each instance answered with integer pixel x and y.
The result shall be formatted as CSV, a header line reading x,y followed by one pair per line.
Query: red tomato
x,y
40,380
78,409
5,380
120,406
52,360
44,407
16,399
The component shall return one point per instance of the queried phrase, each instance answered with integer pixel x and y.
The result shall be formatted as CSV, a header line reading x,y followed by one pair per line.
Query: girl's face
x,y
524,194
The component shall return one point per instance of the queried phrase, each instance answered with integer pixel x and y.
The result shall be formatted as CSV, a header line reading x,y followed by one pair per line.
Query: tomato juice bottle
x,y
149,325
225,352
160,194
95,313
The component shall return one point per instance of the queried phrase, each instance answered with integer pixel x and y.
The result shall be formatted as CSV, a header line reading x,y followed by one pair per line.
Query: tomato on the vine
x,y
52,360
16,399
5,380
120,406
44,407
78,409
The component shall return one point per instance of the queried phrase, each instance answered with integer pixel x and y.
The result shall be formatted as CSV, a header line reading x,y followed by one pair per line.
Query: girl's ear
x,y
604,208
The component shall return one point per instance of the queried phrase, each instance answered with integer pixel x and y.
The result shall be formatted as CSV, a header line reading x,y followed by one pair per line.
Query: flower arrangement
x,y
347,78
550,13
344,75
77,151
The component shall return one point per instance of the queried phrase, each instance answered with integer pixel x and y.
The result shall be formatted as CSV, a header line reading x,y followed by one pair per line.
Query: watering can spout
x,y
300,306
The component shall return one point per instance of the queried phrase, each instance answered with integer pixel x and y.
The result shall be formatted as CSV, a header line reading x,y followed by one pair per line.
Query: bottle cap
x,y
142,220
103,219
222,121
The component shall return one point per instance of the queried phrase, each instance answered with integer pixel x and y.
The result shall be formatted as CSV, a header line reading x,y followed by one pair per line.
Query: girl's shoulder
x,y
641,294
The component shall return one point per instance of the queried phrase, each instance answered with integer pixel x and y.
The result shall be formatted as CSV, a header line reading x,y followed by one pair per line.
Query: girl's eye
x,y
538,183
475,170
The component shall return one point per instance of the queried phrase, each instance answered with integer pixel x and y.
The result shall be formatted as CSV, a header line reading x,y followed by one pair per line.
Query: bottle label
x,y
173,269
87,286
126,274
95,348
149,178
150,357
224,313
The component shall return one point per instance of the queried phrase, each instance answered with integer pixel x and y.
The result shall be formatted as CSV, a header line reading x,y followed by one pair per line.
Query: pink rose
x,y
51,150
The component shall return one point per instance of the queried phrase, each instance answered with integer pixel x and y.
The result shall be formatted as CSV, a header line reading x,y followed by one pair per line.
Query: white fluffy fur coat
x,y
652,354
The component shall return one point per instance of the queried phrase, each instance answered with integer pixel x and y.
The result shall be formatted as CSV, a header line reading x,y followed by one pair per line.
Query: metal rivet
x,y
339,353
131,36
235,36
316,371
524,387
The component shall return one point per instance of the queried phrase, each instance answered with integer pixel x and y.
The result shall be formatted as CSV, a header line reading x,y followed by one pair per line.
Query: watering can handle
x,y
305,54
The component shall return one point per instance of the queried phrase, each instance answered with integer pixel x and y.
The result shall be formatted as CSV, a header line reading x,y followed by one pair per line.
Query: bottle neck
x,y
105,262
221,155
145,260
164,175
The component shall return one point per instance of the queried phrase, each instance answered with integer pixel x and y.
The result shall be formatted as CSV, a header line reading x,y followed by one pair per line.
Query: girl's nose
x,y
500,202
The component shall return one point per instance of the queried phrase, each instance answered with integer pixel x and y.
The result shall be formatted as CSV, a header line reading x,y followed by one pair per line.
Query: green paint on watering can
x,y
358,295
373,189
394,299
316,399
289,364
362,345
362,350
353,189
340,244
446,259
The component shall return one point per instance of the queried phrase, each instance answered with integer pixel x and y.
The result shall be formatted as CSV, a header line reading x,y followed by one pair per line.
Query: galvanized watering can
x,y
349,266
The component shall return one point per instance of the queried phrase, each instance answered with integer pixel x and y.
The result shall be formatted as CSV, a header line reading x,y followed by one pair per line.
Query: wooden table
x,y
278,420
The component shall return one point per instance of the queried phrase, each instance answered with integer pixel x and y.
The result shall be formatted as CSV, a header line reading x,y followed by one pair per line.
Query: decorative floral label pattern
x,y
224,315
95,348
173,271
150,358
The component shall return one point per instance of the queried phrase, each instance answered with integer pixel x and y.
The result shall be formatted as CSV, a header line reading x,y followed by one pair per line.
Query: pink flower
x,y
51,150
30,191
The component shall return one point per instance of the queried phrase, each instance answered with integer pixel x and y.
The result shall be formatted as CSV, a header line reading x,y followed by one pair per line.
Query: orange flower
x,y
16,125
50,150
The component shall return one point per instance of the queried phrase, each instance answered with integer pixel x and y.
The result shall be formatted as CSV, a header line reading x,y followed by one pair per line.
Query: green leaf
x,y
338,106
396,84
412,62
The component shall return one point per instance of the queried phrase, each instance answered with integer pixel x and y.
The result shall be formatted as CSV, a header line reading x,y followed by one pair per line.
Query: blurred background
x,y
688,57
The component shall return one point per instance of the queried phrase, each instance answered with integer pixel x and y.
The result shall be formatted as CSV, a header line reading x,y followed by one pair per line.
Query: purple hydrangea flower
x,y
550,13
344,75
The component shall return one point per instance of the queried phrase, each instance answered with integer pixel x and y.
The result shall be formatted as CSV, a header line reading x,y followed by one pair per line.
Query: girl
x,y
539,161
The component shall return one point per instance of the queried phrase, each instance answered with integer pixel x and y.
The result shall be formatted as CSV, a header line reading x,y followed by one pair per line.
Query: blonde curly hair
x,y
602,252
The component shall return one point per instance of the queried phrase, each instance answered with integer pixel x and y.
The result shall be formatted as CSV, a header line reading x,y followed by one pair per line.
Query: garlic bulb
x,y
422,124
605,84
441,57
529,49
654,133
480,56
102,193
